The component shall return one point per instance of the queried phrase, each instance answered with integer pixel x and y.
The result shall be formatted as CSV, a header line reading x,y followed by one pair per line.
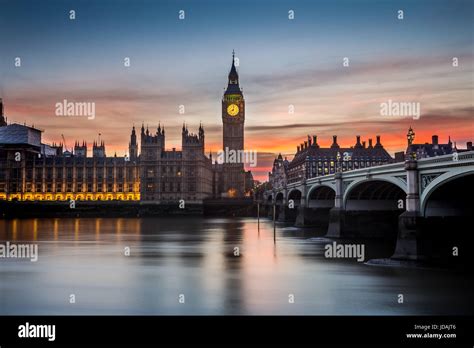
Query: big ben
x,y
233,118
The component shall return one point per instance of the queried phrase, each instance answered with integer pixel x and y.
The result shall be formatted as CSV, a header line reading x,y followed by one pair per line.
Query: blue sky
x,y
282,62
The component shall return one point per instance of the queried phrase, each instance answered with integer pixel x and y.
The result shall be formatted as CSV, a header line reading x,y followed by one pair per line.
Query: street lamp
x,y
410,138
338,162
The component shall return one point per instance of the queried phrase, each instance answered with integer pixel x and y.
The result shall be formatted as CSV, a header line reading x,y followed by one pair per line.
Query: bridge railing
x,y
455,157
463,157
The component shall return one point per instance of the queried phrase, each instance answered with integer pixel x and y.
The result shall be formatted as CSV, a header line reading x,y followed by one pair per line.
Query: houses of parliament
x,y
32,170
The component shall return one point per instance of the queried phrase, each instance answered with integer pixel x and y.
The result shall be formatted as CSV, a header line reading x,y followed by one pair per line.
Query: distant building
x,y
174,175
311,160
433,149
249,183
233,120
3,120
31,170
278,176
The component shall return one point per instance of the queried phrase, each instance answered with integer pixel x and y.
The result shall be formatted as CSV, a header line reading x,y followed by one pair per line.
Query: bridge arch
x,y
321,196
279,198
385,189
294,194
270,199
372,208
374,194
448,194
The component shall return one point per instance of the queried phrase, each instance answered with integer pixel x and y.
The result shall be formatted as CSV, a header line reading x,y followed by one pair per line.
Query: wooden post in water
x,y
274,226
258,216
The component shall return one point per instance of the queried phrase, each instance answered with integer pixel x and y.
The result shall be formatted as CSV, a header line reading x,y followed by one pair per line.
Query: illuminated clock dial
x,y
233,109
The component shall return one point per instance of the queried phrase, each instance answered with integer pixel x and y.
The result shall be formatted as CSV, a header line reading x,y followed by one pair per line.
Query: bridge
x,y
412,202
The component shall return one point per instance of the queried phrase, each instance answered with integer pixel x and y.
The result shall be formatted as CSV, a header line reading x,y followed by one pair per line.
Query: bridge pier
x,y
303,217
409,237
288,210
336,214
300,220
288,214
410,222
281,212
269,211
336,223
312,217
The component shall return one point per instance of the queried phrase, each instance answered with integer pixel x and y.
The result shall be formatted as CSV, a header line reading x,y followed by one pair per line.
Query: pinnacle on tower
x,y
3,120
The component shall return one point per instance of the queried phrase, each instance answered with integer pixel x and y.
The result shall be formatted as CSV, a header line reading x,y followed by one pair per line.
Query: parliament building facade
x,y
31,170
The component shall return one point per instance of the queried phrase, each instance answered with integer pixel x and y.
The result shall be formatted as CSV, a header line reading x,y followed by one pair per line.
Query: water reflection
x,y
196,257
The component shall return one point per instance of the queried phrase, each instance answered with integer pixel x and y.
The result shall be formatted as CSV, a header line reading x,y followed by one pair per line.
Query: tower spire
x,y
233,83
3,121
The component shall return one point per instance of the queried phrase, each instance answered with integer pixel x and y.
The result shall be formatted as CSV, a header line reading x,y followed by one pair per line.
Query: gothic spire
x,y
233,83
233,75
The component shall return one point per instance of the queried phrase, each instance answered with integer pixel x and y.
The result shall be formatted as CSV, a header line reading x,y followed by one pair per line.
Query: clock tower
x,y
233,118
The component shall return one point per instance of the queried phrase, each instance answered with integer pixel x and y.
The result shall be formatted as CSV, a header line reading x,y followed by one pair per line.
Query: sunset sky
x,y
282,62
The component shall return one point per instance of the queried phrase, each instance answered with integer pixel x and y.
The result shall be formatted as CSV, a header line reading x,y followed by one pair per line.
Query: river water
x,y
195,261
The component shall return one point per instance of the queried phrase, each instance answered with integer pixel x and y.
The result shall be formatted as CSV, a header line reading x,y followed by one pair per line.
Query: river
x,y
202,266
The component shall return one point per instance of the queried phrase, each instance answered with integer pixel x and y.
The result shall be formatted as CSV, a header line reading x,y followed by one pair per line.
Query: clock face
x,y
233,109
